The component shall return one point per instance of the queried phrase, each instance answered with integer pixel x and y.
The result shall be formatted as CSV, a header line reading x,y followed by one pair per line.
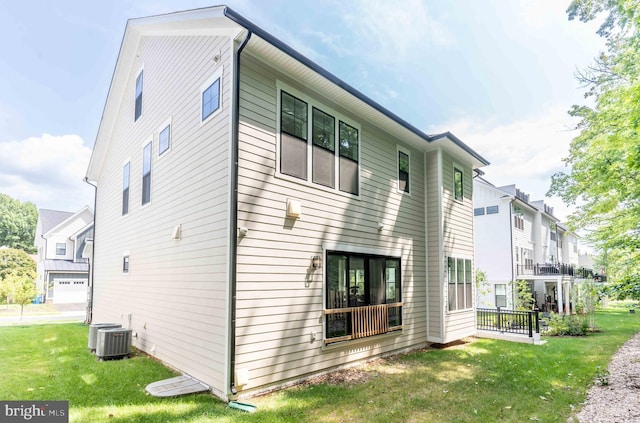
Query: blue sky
x,y
497,73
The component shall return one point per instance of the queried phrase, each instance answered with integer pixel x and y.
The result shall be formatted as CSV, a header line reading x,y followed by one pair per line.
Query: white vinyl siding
x,y
280,300
191,189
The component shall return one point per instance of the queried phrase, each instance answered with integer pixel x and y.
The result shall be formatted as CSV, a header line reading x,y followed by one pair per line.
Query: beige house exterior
x,y
259,221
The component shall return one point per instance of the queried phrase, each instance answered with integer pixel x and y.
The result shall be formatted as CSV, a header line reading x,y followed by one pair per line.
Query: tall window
x,y
211,98
363,295
317,146
125,189
403,171
138,106
501,295
125,264
164,140
293,136
460,293
61,249
324,147
348,158
146,174
458,184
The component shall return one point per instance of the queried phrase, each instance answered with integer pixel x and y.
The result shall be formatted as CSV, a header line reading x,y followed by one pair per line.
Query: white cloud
x,y
525,152
46,170
391,31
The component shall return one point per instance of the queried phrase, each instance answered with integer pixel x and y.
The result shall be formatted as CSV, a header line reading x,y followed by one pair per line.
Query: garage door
x,y
69,291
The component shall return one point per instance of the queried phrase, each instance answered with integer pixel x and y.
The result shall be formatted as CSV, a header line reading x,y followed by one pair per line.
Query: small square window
x,y
211,99
164,140
61,249
125,264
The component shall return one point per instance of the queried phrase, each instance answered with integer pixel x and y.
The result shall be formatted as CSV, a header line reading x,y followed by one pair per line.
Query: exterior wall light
x,y
315,262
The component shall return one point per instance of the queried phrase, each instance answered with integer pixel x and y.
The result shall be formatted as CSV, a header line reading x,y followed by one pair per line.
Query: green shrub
x,y
567,325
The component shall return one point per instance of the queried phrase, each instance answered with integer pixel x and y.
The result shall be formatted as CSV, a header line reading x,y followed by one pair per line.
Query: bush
x,y
568,325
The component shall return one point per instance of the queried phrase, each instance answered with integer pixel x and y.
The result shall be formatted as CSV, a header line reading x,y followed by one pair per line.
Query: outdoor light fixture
x,y
380,226
315,262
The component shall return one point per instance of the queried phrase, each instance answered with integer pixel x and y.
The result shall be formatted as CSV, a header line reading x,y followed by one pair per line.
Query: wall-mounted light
x,y
242,231
315,262
380,226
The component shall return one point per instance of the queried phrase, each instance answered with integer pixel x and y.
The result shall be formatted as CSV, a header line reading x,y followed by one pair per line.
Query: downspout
x,y
233,238
513,265
89,316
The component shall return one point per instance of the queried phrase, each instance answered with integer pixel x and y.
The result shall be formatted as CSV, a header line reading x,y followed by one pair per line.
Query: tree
x,y
524,296
17,224
14,264
603,177
22,289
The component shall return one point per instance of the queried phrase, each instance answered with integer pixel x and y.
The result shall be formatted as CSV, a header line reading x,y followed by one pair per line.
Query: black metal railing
x,y
508,321
556,269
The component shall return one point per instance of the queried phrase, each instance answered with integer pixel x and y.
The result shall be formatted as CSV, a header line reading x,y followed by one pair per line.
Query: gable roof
x,y
49,219
56,219
221,20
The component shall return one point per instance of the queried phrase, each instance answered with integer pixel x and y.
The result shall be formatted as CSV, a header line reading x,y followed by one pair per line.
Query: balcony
x,y
540,269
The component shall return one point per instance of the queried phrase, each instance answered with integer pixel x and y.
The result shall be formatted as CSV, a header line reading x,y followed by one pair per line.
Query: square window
x,y
211,99
61,249
164,140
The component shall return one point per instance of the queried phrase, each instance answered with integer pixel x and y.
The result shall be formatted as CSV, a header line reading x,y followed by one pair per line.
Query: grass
x,y
486,380
14,309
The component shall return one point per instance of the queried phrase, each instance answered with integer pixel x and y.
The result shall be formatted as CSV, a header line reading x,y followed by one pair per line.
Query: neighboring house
x,y
519,239
260,221
60,239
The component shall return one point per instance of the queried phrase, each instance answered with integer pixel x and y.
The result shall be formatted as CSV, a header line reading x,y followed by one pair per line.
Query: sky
x,y
499,74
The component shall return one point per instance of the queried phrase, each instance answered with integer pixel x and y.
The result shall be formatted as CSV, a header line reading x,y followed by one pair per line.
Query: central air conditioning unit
x,y
113,343
93,333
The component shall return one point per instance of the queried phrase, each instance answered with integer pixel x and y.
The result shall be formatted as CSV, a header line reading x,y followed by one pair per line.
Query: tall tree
x,y
14,264
603,177
17,223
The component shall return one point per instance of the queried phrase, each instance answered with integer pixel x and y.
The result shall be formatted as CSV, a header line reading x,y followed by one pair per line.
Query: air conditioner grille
x,y
113,343
93,333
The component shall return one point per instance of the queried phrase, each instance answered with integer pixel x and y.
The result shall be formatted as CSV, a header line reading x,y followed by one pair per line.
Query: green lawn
x,y
486,380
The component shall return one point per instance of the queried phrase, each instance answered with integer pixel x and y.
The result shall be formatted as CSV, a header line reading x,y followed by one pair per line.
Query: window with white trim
x,y
501,295
61,249
317,144
211,96
164,139
460,293
125,264
125,188
404,171
458,183
478,211
138,101
146,174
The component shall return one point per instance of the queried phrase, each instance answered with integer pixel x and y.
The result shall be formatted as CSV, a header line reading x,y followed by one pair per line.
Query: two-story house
x,y
260,220
519,239
61,238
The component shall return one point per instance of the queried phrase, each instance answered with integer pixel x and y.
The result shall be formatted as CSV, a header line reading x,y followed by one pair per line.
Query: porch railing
x,y
363,321
508,321
556,269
